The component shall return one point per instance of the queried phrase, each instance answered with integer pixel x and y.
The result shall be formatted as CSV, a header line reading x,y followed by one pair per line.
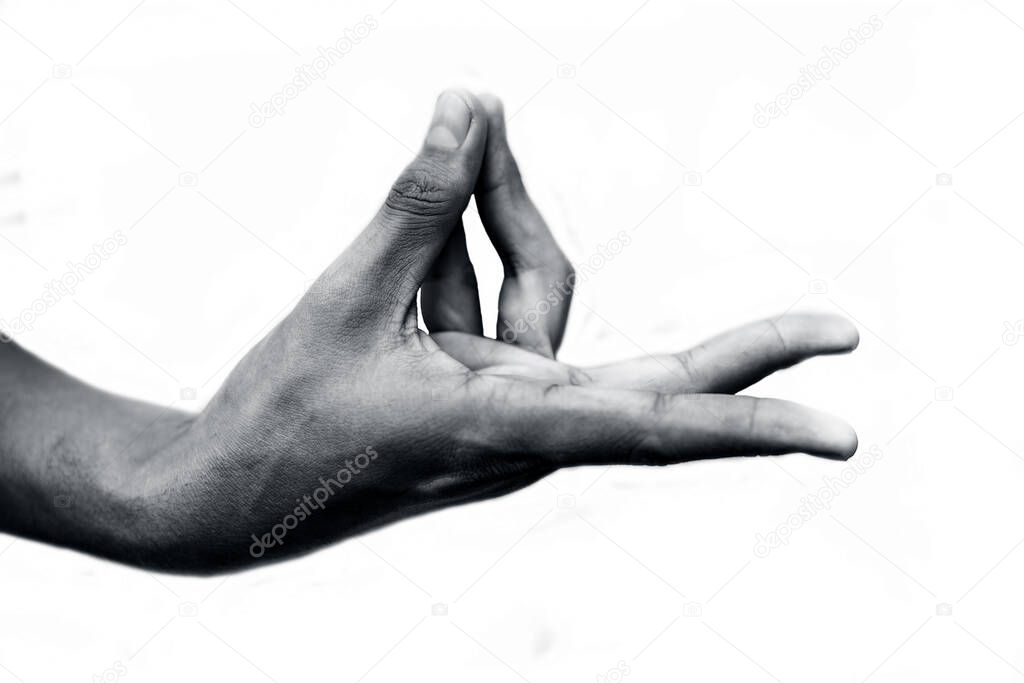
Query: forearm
x,y
78,466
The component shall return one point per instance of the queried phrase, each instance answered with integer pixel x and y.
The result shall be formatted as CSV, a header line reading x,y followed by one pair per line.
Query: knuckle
x,y
772,330
690,374
742,422
752,425
423,191
661,404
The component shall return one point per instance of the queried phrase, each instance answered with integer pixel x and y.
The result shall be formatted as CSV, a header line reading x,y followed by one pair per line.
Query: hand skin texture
x,y
347,416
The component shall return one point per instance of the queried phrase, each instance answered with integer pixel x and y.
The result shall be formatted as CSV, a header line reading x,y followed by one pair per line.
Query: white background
x,y
841,190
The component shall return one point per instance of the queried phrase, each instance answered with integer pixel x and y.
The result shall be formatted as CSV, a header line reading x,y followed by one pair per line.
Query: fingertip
x,y
826,331
459,121
462,93
492,105
450,123
838,440
854,336
494,110
500,167
472,101
853,444
844,332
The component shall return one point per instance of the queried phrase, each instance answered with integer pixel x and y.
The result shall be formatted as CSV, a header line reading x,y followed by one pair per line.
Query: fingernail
x,y
451,122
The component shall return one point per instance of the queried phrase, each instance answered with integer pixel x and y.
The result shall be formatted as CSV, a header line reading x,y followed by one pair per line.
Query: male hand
x,y
347,416
533,306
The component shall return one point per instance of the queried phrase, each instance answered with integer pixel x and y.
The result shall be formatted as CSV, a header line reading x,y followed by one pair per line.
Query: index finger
x,y
535,296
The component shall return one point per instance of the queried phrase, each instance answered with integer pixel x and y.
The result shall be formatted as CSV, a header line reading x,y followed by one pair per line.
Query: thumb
x,y
427,200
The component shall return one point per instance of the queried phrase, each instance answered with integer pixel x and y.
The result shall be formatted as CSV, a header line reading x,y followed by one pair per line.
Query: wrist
x,y
138,511
104,486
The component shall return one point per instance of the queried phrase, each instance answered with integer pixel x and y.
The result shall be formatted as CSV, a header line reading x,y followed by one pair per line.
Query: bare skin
x,y
347,416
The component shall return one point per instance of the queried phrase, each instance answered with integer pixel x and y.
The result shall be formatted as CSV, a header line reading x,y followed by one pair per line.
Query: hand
x,y
533,306
347,416
534,303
